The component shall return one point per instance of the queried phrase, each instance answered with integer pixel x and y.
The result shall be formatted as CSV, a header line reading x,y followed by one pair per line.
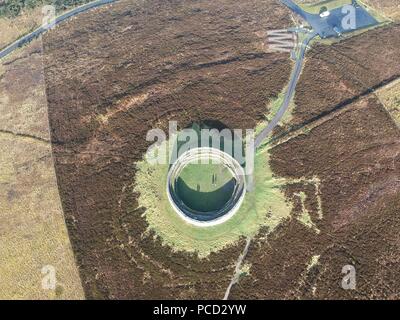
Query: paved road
x,y
261,136
289,93
42,29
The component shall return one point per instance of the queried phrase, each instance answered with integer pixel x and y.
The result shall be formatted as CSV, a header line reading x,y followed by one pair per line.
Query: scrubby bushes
x,y
13,8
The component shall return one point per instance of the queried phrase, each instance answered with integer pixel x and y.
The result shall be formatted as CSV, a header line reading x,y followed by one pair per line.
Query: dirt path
x,y
237,269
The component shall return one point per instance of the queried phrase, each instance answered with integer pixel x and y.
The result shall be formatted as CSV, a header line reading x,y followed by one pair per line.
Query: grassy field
x,y
28,17
208,177
315,6
14,28
33,234
388,8
265,206
390,97
273,108
305,217
205,187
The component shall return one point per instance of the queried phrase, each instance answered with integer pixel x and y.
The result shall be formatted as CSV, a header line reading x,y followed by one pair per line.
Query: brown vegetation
x,y
32,227
114,74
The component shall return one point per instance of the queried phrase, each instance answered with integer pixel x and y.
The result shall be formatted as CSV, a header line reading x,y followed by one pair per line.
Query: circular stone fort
x,y
206,186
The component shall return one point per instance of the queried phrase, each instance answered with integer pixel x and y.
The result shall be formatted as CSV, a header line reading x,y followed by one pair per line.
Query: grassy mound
x,y
264,206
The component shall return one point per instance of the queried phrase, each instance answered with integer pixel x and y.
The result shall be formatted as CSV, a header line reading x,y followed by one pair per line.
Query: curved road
x,y
289,93
42,29
260,137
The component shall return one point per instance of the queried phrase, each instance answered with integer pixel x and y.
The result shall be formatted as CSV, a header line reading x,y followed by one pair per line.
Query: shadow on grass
x,y
205,201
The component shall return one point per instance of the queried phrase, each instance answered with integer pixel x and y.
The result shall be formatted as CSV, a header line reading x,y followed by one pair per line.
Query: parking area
x,y
333,23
